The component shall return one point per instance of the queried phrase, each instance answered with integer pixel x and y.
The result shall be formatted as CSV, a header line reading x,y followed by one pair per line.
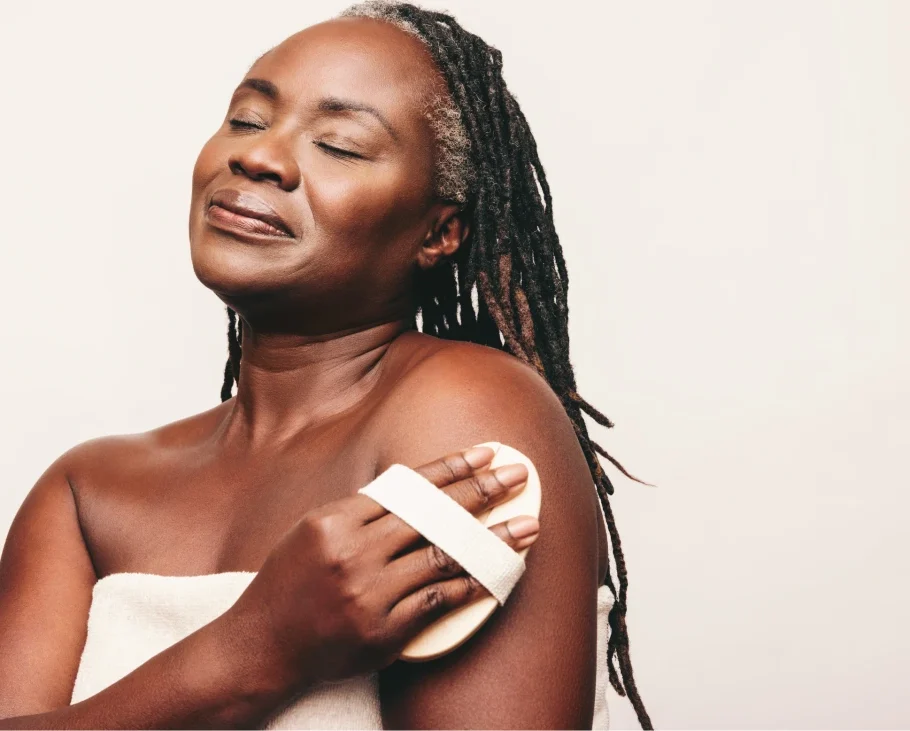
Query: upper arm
x,y
533,663
46,581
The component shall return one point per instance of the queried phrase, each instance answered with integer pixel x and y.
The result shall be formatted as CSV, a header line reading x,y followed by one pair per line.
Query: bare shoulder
x,y
88,462
48,567
459,394
478,391
455,373
103,461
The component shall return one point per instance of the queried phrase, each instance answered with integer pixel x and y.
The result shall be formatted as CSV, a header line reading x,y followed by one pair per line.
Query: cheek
x,y
367,208
206,167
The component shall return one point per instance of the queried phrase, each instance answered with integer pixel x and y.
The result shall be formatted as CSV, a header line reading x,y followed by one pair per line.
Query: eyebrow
x,y
333,104
328,105
264,87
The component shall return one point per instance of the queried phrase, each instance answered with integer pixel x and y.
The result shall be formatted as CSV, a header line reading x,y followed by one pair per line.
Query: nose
x,y
266,157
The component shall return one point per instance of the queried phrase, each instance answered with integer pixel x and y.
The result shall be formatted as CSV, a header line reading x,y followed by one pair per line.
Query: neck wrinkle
x,y
291,382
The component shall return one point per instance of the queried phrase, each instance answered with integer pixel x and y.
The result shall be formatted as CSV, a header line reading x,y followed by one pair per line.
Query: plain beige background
x,y
730,183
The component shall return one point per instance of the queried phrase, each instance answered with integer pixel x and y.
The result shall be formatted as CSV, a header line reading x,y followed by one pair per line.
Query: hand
x,y
346,589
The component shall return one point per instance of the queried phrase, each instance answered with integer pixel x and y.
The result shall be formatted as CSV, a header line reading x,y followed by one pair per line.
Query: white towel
x,y
134,616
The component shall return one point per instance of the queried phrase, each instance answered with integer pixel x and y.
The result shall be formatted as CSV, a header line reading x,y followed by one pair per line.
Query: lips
x,y
250,213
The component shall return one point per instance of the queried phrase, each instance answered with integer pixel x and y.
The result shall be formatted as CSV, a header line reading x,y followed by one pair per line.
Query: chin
x,y
234,270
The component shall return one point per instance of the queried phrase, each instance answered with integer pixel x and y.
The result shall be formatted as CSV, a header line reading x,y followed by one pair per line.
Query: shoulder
x,y
48,566
458,390
103,459
462,394
482,388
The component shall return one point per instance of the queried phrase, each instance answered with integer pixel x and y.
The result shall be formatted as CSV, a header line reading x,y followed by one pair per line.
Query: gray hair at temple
x,y
453,177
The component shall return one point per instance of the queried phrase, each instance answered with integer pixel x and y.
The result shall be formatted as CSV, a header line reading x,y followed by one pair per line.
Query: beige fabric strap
x,y
445,523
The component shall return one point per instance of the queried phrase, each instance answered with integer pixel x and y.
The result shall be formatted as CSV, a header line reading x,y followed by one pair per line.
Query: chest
x,y
197,510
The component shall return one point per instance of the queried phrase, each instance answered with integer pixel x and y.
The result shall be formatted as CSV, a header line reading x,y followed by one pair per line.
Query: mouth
x,y
241,212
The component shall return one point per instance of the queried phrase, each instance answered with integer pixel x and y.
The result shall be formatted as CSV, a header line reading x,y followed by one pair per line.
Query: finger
x,y
482,490
479,492
428,564
419,610
441,472
456,466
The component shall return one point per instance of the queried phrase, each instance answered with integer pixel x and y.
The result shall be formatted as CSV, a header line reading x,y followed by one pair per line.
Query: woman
x,y
369,172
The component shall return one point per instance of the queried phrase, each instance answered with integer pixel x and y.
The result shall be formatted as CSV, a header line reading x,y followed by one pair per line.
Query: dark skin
x,y
333,390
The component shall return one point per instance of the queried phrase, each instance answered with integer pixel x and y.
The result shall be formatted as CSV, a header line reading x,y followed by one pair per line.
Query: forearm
x,y
207,680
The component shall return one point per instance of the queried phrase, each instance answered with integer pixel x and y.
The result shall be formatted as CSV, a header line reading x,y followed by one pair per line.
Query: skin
x,y
333,391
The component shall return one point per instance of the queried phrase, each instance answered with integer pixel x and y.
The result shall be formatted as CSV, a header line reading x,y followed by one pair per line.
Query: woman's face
x,y
328,130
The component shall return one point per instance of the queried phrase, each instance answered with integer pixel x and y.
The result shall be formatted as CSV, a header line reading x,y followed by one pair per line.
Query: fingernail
x,y
523,525
511,474
478,456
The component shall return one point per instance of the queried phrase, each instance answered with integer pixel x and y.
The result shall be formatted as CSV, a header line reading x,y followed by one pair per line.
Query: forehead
x,y
362,59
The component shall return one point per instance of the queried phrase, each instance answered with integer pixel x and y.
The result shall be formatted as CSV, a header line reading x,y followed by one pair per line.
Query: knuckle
x,y
343,557
470,585
350,592
433,598
321,524
449,465
481,489
338,554
441,561
356,601
332,539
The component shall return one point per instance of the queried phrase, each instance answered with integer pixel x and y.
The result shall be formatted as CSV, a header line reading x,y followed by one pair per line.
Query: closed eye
x,y
337,151
247,125
329,149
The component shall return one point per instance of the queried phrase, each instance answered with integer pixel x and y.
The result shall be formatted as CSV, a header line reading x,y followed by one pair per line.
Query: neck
x,y
290,381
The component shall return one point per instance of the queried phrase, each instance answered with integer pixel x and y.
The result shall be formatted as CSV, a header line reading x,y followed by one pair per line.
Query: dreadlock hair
x,y
510,266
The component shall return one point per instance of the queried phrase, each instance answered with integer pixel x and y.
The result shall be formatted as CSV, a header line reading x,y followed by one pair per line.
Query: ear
x,y
447,233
